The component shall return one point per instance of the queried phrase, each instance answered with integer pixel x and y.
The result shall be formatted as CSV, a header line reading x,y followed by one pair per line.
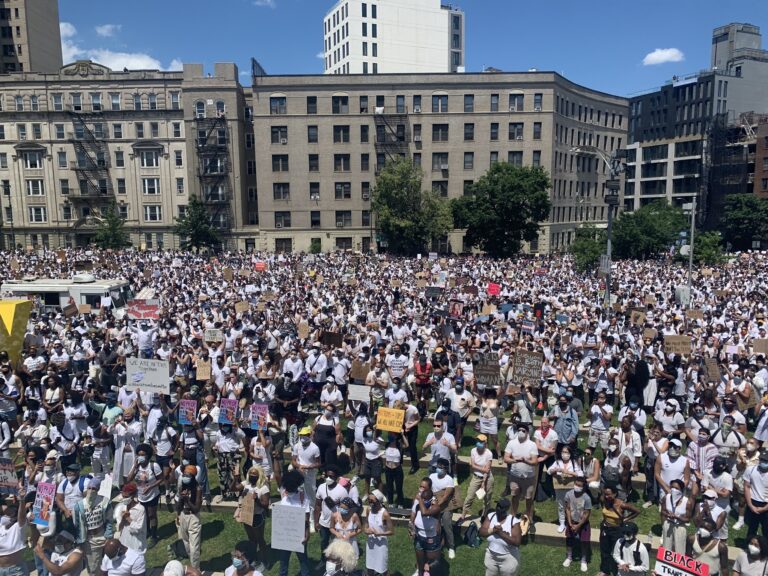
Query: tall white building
x,y
393,36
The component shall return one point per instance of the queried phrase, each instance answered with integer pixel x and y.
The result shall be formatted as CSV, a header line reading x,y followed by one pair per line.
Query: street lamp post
x,y
7,192
690,252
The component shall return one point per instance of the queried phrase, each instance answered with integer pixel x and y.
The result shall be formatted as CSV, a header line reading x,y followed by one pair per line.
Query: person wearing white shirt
x,y
600,415
293,496
522,455
305,457
502,529
630,556
119,560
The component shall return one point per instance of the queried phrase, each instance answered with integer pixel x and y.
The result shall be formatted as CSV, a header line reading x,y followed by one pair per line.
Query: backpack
x,y
472,535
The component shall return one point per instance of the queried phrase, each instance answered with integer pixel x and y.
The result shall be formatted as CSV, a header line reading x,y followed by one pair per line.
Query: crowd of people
x,y
617,422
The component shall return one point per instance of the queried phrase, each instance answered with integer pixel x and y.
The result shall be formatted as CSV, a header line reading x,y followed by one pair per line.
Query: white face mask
x,y
675,492
6,521
704,533
753,550
522,436
59,548
566,457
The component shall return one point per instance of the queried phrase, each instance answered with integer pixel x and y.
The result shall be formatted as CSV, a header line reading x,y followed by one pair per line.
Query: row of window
x,y
577,213
98,130
440,104
33,160
588,114
39,214
149,186
342,219
93,101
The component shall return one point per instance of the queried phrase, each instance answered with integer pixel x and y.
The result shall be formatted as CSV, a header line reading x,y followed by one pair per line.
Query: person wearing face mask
x,y
462,401
345,523
730,408
148,477
671,465
502,529
638,416
756,495
293,495
578,507
244,560
126,432
130,519
613,472
746,458
66,558
522,455
227,448
331,394
616,514
119,560
441,443
600,415
93,524
482,482
728,440
754,560
698,419
69,492
327,434
444,487
188,504
176,568
305,458
329,495
564,471
12,536
703,547
424,528
629,555
395,393
676,513
670,418
701,456
378,529
709,510
566,423
257,488
341,559
721,482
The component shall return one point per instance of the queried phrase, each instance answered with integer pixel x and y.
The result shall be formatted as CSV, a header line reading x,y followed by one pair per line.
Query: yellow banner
x,y
14,315
390,419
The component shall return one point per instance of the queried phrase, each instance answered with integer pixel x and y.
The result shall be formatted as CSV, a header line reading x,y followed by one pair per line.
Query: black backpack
x,y
472,536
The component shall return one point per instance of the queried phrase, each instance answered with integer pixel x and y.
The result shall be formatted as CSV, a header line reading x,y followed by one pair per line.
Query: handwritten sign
x,y
288,524
487,372
214,335
637,317
713,369
649,334
526,366
334,339
669,563
203,371
358,393
259,416
228,411
187,411
228,274
247,506
390,419
260,266
395,283
760,345
149,375
434,292
695,314
8,481
43,506
70,310
244,272
677,344
359,370
142,310
493,289
303,330
242,307
84,309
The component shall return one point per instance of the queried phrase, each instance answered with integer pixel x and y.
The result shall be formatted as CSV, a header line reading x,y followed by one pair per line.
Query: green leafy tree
x,y
708,248
648,231
195,227
588,244
745,218
505,208
111,232
407,217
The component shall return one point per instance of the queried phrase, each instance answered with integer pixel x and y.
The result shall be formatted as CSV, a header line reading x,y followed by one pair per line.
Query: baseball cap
x,y
306,431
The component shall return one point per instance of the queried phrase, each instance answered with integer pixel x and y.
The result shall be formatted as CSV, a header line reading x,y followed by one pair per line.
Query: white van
x,y
54,294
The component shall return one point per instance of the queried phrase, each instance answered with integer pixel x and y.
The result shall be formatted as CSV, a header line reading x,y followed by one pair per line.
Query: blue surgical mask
x,y
441,472
763,466
238,563
479,445
633,405
344,511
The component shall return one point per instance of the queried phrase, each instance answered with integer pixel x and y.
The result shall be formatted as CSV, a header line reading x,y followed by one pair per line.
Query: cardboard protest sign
x,y
527,327
649,334
242,307
14,264
334,339
650,299
760,345
722,293
493,289
43,506
677,344
228,411
244,272
526,366
390,419
84,309
358,393
261,306
488,309
214,335
395,283
713,369
148,375
706,271
187,411
637,317
143,310
259,416
247,508
303,330
695,314
70,310
8,482
486,370
433,292
203,371
228,274
669,563
288,524
359,370
421,283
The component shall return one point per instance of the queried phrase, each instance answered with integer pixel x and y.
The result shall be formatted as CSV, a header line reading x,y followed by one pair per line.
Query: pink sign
x,y
493,289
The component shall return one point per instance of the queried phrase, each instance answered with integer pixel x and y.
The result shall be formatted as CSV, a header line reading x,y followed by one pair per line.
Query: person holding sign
x,y
251,510
293,496
66,559
12,536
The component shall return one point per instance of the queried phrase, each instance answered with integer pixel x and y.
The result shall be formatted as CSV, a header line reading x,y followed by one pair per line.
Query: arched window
x,y
199,109
220,108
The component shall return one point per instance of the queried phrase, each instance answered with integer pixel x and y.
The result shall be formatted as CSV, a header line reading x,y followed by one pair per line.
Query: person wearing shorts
x,y
424,527
578,506
523,457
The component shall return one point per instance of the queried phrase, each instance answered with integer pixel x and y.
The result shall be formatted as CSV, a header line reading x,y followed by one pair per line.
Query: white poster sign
x,y
358,393
149,375
288,524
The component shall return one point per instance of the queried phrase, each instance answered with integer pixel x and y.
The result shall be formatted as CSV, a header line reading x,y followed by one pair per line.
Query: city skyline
x,y
286,36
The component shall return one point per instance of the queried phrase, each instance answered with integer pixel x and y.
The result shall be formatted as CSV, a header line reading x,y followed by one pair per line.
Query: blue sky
x,y
598,43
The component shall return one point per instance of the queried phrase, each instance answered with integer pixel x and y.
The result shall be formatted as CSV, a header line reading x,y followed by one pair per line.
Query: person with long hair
x,y
149,477
615,513
341,559
378,529
257,487
424,527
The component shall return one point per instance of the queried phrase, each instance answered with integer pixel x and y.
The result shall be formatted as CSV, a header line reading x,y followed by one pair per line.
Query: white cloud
x,y
663,56
72,51
108,30
320,55
264,3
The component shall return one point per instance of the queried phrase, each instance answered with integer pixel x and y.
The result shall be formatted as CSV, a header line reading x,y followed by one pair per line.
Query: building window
x,y
417,103
417,159
516,102
537,100
439,161
469,102
249,140
33,160
280,163
340,134
137,101
175,101
117,131
439,103
176,127
314,162
314,219
149,158
58,130
440,133
34,187
140,130
21,131
343,218
119,159
152,213
469,132
340,104
114,99
400,104
152,100
61,158
363,104
279,134
77,102
365,29
537,130
281,191
58,102
341,163
66,212
278,105
467,190
314,191
536,158
440,187
179,185
121,189
311,104
178,158
494,157
374,30
122,211
150,186
469,160
38,214
312,134
365,162
364,133
342,191
515,157
283,219
4,160
515,130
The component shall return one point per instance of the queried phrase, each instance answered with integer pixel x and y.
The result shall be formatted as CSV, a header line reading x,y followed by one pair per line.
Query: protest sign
x,y
526,366
669,563
259,416
649,334
288,524
303,330
713,369
43,506
244,272
695,314
242,306
260,266
493,289
84,309
359,370
722,293
421,283
187,411
228,274
105,489
677,344
358,393
269,295
395,283
70,310
527,327
203,370
487,310
142,310
433,292
334,339
8,481
760,345
228,411
637,317
148,375
214,335
455,309
486,370
247,507
650,299
390,419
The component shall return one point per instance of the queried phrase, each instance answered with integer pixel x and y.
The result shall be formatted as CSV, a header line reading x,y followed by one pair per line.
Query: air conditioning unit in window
x,y
417,138
340,224
417,109
366,196
314,196
513,108
518,137
278,225
283,141
443,166
537,108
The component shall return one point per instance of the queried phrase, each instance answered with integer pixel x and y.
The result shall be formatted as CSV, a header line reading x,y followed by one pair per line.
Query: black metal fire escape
x,y
91,162
393,133
215,171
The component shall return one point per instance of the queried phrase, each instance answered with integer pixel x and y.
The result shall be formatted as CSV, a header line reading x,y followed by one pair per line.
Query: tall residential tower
x,y
29,36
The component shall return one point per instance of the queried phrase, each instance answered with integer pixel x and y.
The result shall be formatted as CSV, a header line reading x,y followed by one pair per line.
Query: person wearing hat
x,y
378,528
66,558
676,512
127,432
756,495
480,461
69,492
728,439
93,523
176,568
671,465
502,529
305,458
130,518
522,455
188,504
709,509
630,556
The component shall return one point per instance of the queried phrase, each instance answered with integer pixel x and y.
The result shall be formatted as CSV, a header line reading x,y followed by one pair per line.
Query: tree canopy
x,y
745,218
195,227
408,218
504,209
588,244
648,231
111,232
